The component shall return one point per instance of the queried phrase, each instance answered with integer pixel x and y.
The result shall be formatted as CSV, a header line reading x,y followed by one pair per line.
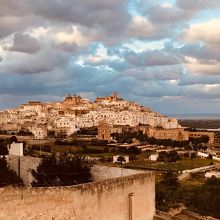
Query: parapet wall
x,y
100,173
105,200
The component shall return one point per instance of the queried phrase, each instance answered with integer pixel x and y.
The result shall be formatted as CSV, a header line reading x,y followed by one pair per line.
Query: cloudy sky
x,y
164,54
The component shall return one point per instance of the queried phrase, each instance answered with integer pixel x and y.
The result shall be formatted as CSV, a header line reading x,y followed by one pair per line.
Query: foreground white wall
x,y
16,149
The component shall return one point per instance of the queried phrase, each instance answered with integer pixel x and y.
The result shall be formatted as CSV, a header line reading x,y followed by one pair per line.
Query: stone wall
x,y
106,200
27,139
106,172
19,137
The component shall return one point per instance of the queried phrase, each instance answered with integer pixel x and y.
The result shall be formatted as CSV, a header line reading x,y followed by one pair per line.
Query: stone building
x,y
4,117
176,134
113,97
198,134
10,127
104,132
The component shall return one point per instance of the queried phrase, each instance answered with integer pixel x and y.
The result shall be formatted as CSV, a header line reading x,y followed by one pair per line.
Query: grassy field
x,y
37,153
181,165
62,149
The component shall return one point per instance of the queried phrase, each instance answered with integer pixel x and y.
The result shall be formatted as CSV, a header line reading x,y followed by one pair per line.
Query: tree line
x,y
203,199
128,136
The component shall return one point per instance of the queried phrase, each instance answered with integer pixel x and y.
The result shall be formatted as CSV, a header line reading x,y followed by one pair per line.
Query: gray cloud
x,y
10,25
64,46
108,16
201,52
156,73
157,89
14,8
197,4
167,15
196,79
153,58
43,61
100,16
24,43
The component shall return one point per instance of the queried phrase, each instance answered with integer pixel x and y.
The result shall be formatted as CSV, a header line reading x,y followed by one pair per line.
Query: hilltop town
x,y
75,112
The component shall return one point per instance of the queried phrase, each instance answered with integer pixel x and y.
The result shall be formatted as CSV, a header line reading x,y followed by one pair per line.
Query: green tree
x,y
63,170
170,180
163,156
173,156
166,191
133,150
192,156
7,175
3,149
210,157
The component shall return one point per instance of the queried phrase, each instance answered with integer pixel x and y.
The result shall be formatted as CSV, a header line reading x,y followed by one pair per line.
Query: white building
x,y
212,173
154,157
16,149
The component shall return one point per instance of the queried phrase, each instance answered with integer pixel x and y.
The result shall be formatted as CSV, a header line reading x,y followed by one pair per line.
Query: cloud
x,y
204,91
43,61
75,35
204,32
96,14
157,89
24,43
140,27
213,68
202,52
14,8
65,46
201,48
98,17
197,4
196,79
164,14
9,24
156,73
153,58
